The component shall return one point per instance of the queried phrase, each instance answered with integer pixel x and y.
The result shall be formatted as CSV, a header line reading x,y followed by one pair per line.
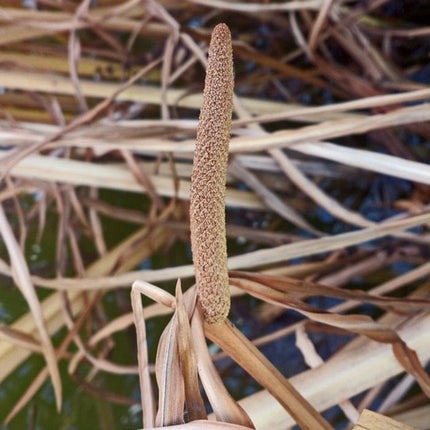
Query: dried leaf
x,y
360,324
329,243
21,276
370,420
328,203
270,199
146,390
322,17
187,358
297,289
171,397
20,339
238,347
34,387
226,409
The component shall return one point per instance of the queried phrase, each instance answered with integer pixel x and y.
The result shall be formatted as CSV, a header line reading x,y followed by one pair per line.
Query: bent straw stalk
x,y
208,179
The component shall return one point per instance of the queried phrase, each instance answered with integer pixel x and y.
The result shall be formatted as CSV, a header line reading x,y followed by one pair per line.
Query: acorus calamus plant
x,y
208,231
179,351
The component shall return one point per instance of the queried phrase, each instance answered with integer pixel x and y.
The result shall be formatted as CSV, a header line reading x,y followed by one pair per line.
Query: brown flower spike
x,y
207,200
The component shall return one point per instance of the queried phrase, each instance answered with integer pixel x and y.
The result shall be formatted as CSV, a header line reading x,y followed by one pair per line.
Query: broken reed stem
x,y
208,178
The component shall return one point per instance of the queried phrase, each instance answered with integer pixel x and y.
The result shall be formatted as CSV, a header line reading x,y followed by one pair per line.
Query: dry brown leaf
x,y
298,289
244,352
360,324
19,338
102,393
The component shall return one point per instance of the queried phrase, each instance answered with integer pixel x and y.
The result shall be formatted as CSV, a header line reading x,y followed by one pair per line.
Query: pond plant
x,y
311,168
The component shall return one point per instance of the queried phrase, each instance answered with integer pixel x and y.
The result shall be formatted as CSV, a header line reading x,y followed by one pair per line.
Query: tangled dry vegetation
x,y
327,203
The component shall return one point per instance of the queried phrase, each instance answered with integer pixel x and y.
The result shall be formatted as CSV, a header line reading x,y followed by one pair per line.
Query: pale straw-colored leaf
x,y
257,8
368,160
113,176
315,246
146,389
308,187
226,409
171,397
187,357
252,259
96,226
331,129
362,103
372,420
155,293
